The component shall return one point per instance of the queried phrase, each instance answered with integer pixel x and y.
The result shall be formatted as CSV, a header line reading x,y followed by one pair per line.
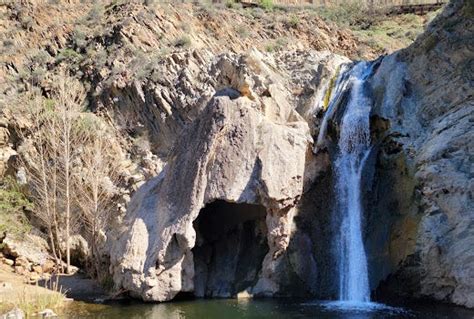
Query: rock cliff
x,y
249,146
424,183
418,199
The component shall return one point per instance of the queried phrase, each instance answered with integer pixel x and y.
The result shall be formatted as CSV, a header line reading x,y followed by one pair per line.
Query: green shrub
x,y
350,14
256,13
293,21
40,57
80,37
266,4
242,31
281,43
13,203
276,45
27,22
38,75
8,43
270,47
68,55
230,4
95,14
468,9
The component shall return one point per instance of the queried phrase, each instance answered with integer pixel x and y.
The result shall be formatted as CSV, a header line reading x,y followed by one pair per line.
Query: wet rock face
x,y
424,167
312,246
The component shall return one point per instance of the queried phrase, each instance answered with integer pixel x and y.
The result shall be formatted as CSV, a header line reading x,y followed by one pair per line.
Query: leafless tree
x,y
48,157
70,102
38,156
96,182
72,168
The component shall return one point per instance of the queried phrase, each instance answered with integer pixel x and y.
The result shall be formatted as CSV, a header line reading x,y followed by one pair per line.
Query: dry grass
x,y
393,33
30,299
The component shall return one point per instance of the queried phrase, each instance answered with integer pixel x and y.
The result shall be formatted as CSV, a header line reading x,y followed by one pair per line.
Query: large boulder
x,y
31,248
245,147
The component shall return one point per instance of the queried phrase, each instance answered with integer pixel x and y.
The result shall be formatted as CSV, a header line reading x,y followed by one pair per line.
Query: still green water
x,y
262,309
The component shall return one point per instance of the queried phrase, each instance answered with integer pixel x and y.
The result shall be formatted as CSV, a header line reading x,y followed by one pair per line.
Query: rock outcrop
x,y
6,147
248,146
418,200
424,182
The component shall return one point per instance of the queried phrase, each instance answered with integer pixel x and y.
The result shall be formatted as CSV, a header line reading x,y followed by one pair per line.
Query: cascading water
x,y
353,150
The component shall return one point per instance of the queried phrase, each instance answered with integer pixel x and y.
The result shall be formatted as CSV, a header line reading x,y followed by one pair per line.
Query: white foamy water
x,y
354,148
362,307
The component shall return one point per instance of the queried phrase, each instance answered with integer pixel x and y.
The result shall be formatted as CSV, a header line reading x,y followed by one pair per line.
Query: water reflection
x,y
261,309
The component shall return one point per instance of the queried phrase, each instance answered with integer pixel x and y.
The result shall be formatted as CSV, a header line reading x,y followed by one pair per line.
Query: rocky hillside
x,y
134,57
218,109
140,62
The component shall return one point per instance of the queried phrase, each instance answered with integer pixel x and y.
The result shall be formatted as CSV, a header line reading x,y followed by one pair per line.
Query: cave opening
x,y
231,243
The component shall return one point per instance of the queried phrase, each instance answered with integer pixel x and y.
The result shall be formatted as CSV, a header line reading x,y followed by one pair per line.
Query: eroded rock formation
x,y
244,148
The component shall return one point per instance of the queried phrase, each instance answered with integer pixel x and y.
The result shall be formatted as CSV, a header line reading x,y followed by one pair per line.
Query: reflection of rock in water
x,y
230,247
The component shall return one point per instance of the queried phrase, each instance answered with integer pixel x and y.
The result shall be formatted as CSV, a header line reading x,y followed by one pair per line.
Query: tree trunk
x,y
67,162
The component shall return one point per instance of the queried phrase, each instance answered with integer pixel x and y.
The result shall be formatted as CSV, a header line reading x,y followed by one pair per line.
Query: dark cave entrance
x,y
231,243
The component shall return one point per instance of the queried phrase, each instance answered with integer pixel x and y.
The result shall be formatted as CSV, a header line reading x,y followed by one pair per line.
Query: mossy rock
x,y
430,43
468,9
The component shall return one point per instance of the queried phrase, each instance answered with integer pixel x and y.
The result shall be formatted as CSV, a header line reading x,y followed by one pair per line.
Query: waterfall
x,y
353,150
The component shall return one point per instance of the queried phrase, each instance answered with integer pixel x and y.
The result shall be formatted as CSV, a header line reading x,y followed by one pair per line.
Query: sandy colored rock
x,y
22,261
16,313
33,249
20,270
239,151
48,266
37,269
47,313
8,262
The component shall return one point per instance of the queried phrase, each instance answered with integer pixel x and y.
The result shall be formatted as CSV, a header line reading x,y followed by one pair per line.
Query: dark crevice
x,y
230,247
